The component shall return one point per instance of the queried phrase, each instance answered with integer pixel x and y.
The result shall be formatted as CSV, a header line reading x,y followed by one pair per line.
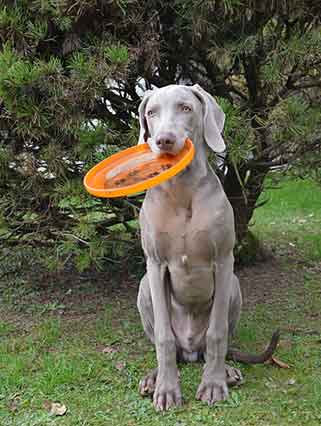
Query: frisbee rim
x,y
139,186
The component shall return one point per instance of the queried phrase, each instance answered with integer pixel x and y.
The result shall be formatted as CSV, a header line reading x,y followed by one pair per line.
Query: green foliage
x,y
296,135
53,92
4,162
117,54
238,133
68,78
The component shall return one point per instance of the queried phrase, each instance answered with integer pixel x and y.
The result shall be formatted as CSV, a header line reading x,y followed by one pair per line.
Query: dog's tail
x,y
246,358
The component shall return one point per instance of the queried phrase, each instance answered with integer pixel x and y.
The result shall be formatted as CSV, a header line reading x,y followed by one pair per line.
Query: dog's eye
x,y
150,113
186,108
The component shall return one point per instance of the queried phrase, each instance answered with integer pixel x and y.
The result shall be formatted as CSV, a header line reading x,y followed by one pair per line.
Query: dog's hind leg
x,y
233,374
235,306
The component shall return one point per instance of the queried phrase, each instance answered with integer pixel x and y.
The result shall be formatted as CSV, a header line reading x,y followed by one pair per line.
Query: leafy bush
x,y
70,78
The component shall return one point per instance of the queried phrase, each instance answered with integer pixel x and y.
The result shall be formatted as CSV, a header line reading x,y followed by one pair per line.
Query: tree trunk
x,y
243,197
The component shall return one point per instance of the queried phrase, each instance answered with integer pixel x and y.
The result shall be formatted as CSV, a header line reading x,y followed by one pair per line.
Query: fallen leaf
x,y
58,409
55,408
291,382
109,350
277,362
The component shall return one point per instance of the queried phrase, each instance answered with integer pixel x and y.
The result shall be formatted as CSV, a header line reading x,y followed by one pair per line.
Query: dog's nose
x,y
166,141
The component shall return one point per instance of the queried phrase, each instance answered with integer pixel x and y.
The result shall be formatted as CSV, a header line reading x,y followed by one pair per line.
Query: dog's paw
x,y
212,391
234,376
148,383
167,394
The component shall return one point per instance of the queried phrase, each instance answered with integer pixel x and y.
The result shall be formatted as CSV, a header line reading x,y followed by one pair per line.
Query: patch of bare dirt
x,y
74,296
267,281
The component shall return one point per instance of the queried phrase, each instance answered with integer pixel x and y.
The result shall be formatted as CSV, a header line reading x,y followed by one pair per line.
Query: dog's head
x,y
173,113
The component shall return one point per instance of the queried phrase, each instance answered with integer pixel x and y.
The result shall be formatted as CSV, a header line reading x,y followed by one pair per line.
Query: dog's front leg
x,y
167,390
213,386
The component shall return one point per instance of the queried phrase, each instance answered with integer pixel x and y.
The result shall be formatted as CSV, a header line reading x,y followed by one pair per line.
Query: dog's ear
x,y
144,132
213,117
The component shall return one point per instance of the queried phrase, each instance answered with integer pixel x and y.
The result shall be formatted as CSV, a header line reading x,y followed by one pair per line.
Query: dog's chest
x,y
185,241
182,240
187,250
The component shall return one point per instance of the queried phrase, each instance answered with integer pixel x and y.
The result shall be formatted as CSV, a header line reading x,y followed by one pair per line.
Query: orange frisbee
x,y
134,170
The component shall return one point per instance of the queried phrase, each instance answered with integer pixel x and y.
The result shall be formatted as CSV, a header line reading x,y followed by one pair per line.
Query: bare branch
x,y
307,85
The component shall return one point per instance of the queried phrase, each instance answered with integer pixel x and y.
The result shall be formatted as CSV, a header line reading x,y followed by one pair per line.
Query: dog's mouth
x,y
172,149
164,152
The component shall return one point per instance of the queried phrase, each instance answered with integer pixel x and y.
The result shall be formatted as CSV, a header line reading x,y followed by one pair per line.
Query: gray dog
x,y
189,299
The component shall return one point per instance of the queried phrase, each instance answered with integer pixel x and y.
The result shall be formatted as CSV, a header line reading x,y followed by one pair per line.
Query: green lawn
x,y
292,216
91,358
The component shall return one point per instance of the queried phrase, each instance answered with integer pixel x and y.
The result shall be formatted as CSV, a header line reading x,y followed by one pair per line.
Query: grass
x,y
92,360
292,216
